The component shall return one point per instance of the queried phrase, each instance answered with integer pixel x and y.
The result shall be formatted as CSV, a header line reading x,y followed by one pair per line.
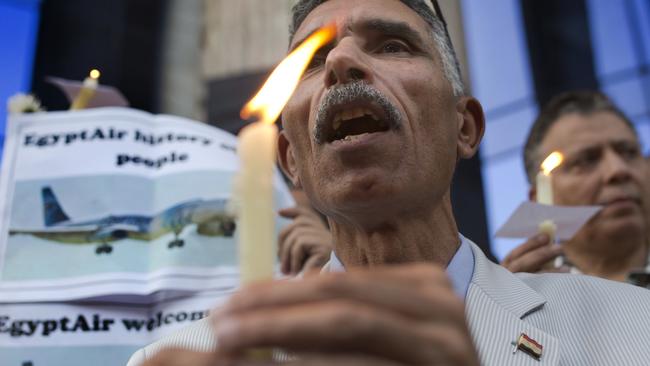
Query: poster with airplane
x,y
114,200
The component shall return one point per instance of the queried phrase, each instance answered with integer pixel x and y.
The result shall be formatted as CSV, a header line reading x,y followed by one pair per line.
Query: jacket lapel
x,y
496,305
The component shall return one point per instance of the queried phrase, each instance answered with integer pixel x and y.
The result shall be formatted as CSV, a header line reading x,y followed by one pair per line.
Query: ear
x,y
471,126
532,193
287,160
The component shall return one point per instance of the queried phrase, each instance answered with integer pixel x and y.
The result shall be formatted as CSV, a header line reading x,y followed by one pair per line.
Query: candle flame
x,y
94,74
268,103
551,162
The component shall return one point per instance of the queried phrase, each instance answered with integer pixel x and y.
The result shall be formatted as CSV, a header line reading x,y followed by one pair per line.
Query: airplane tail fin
x,y
52,211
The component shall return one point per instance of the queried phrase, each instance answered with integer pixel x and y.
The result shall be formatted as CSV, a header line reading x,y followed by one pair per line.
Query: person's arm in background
x,y
533,256
306,243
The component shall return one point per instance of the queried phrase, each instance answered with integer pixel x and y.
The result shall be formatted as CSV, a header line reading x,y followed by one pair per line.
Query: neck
x,y
615,259
428,235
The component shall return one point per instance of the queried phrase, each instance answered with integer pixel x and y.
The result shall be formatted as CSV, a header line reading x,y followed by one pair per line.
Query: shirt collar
x,y
460,269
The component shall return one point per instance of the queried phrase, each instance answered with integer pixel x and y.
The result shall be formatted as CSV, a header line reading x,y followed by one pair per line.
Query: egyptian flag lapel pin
x,y
528,346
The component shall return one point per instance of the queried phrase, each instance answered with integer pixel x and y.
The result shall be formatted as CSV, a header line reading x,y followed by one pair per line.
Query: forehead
x,y
576,131
348,13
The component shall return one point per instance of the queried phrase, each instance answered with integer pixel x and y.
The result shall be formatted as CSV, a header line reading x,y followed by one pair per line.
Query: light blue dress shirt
x,y
459,270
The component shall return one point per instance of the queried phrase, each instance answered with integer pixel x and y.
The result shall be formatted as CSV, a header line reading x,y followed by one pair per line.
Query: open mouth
x,y
350,123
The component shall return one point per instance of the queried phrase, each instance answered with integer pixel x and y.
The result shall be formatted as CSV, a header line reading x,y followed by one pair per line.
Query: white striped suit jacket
x,y
579,320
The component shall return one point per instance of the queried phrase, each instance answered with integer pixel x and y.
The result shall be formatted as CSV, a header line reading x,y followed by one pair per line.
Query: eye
x,y
629,152
584,161
394,46
316,62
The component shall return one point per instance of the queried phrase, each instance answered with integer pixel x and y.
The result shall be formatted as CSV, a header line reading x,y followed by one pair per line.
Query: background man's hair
x,y
583,102
450,64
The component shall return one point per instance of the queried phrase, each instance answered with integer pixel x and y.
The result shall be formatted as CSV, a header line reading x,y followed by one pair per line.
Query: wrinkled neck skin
x,y
610,258
424,235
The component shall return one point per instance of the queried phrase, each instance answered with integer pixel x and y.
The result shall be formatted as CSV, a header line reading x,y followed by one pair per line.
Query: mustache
x,y
352,92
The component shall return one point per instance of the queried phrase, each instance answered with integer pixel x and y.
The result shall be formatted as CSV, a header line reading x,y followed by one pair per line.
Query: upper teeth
x,y
353,113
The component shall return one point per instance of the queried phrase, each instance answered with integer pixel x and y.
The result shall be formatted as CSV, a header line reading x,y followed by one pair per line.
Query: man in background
x,y
603,166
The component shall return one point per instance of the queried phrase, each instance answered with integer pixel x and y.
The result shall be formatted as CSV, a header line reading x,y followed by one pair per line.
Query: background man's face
x,y
389,47
603,166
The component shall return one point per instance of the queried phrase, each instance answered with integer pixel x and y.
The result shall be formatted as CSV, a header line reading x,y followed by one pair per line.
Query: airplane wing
x,y
55,230
80,234
68,235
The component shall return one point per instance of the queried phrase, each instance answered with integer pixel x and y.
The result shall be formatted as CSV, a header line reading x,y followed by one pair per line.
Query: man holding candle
x,y
373,134
603,166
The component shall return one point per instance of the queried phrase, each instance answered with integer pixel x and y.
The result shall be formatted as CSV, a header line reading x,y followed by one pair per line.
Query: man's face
x,y
391,138
603,166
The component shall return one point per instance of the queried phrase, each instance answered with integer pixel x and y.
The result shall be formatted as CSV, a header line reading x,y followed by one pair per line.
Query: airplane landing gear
x,y
104,248
176,243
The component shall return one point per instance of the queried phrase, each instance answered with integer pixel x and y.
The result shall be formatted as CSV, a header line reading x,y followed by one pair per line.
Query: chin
x,y
623,226
362,203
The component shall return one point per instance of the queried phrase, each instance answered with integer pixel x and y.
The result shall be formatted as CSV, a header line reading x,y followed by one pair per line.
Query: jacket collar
x,y
506,289
496,306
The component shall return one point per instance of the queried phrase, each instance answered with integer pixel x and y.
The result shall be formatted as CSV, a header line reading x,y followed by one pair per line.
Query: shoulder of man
x,y
576,289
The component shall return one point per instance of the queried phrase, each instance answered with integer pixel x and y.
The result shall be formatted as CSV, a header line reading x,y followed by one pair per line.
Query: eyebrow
x,y
601,145
385,27
392,28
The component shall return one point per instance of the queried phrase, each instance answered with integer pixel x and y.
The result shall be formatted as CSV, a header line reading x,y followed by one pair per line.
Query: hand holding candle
x,y
87,91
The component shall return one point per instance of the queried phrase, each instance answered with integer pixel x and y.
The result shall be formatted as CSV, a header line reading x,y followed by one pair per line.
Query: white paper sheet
x,y
524,221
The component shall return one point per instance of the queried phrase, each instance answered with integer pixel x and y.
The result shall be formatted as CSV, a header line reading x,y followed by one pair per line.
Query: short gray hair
x,y
450,64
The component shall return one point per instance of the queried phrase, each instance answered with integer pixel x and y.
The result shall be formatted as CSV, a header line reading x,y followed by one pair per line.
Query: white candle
x,y
544,189
544,192
257,146
543,183
87,91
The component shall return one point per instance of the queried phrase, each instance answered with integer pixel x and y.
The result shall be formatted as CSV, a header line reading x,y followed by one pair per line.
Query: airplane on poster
x,y
210,216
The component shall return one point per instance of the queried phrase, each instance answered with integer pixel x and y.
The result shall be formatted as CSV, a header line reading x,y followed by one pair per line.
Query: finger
x,y
534,242
283,246
309,221
533,261
295,211
420,291
282,236
316,261
301,222
331,327
299,253
311,359
308,246
563,269
298,245
339,360
289,212
286,257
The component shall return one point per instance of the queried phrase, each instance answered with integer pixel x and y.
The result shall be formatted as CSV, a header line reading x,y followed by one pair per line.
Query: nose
x,y
346,63
616,168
